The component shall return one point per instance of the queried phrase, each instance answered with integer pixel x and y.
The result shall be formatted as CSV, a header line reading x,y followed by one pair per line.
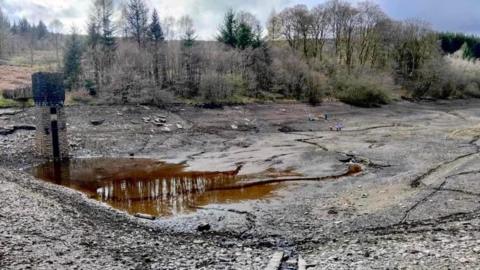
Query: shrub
x,y
295,79
361,91
316,83
472,90
215,88
7,103
445,78
79,96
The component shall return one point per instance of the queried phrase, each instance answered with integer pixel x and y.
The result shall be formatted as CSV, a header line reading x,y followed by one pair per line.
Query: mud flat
x,y
414,204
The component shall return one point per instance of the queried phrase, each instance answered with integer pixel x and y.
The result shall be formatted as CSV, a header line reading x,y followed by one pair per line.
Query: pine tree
x,y
243,36
107,40
14,28
155,32
237,31
155,38
72,60
41,30
137,13
190,61
24,26
93,43
228,30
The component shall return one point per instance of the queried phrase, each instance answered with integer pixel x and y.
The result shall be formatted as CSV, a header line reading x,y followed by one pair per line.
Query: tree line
x,y
352,52
453,42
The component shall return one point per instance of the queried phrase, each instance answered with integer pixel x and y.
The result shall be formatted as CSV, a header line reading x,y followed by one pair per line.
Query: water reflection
x,y
148,186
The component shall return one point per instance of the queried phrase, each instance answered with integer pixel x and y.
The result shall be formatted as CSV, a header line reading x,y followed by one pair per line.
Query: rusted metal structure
x,y
49,97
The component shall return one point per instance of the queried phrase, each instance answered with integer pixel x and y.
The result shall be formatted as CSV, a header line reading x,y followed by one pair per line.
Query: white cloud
x,y
207,14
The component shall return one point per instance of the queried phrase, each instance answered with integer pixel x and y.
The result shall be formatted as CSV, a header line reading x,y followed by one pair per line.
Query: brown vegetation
x,y
14,77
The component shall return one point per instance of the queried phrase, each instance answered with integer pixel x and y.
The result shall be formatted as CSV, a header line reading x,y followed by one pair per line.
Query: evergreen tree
x,y
72,60
14,28
41,30
240,31
24,27
228,30
155,32
137,13
107,29
244,36
155,38
190,60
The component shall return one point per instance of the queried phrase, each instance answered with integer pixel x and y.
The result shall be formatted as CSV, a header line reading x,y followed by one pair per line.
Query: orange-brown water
x,y
149,186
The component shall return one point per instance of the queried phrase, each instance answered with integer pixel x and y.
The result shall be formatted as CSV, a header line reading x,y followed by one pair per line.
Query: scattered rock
x,y
24,127
11,129
145,216
6,130
97,122
203,227
332,212
287,129
9,112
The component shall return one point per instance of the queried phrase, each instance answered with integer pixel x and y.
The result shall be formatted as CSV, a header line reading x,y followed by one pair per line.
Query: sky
x,y
443,15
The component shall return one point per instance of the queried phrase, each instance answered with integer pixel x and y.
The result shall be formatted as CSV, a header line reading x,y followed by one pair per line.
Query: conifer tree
x,y
155,38
73,60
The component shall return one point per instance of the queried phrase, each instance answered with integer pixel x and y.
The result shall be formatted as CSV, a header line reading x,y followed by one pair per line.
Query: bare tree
x,y
4,33
101,41
155,38
288,28
137,18
274,26
296,25
168,24
56,28
319,29
369,21
123,19
190,59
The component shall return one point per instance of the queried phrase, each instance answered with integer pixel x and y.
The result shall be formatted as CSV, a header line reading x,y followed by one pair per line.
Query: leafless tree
x,y
56,28
273,26
319,29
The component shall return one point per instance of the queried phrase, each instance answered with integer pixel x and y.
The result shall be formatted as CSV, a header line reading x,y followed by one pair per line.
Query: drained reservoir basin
x,y
150,186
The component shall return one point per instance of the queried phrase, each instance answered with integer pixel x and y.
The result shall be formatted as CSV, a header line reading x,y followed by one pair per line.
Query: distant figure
x,y
326,117
338,126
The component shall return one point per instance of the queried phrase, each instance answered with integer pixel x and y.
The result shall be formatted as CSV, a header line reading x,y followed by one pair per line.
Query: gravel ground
x,y
415,205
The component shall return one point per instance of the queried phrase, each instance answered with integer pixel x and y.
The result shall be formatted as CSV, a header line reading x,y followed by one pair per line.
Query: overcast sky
x,y
445,15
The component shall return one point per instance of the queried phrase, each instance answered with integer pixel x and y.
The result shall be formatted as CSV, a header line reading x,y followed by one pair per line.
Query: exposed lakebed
x,y
150,186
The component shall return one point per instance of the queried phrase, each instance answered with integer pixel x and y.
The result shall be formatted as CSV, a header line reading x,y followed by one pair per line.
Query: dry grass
x,y
466,133
12,77
463,65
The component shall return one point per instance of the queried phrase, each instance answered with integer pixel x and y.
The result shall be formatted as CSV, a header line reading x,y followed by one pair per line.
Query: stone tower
x,y
49,96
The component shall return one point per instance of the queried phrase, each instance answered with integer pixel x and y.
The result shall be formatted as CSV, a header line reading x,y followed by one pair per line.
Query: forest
x,y
354,53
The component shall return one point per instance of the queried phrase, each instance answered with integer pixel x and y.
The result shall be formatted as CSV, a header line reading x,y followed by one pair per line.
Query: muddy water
x,y
149,186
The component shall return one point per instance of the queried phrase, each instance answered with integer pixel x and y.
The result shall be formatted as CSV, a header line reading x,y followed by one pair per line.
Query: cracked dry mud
x,y
416,204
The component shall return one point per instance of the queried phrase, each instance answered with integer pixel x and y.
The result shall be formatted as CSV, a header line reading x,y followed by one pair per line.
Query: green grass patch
x,y
8,103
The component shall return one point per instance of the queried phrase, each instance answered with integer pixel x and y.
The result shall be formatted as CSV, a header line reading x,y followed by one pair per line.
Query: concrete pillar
x,y
49,97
